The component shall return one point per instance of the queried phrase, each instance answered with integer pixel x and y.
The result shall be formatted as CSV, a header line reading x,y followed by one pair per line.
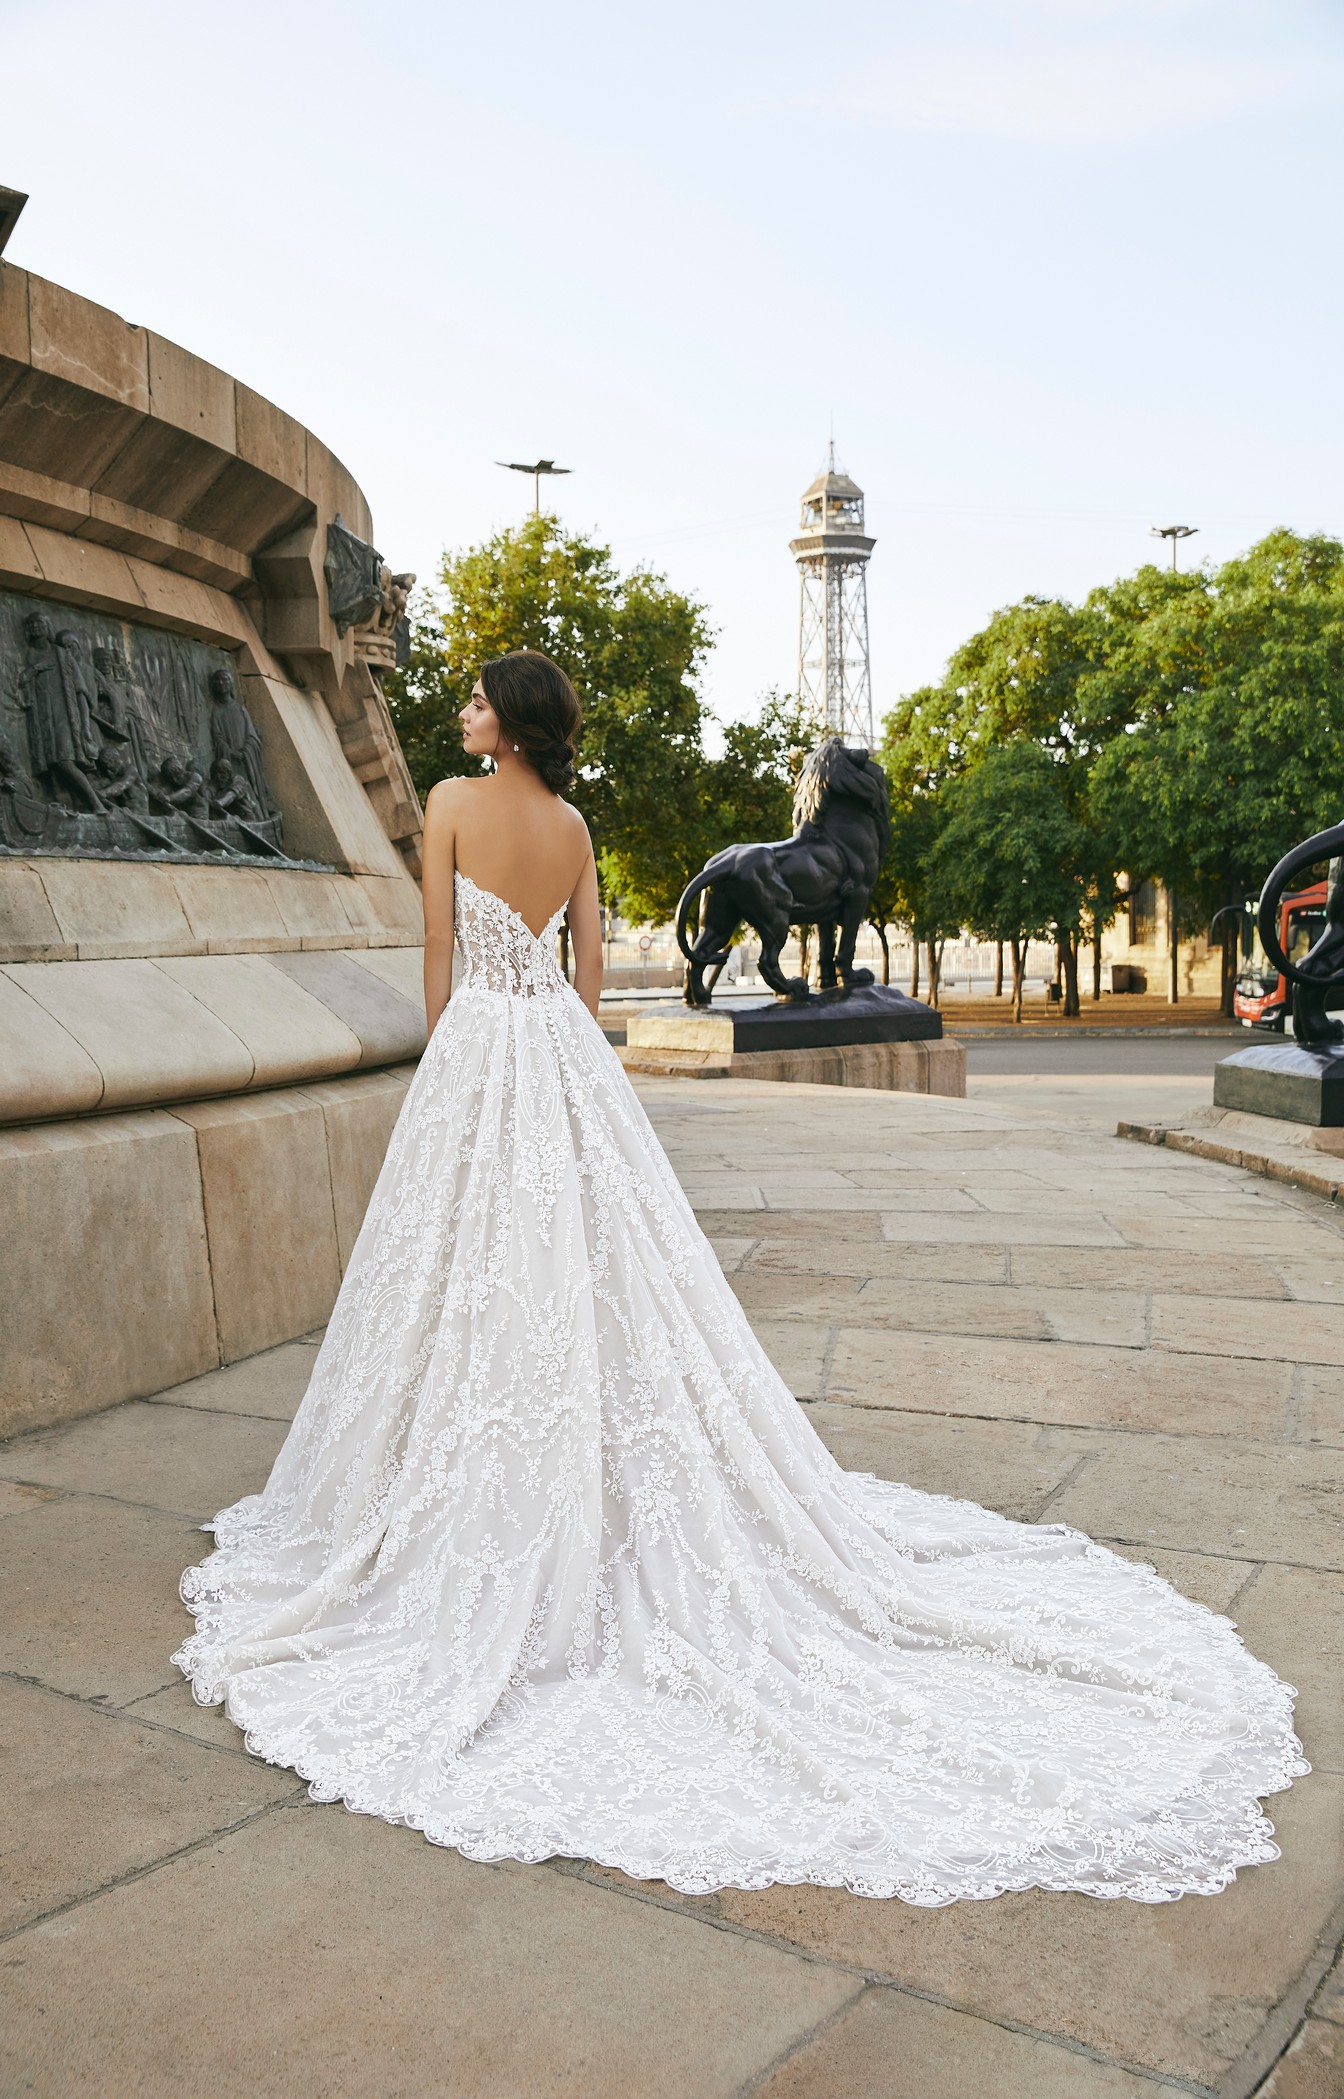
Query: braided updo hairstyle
x,y
538,711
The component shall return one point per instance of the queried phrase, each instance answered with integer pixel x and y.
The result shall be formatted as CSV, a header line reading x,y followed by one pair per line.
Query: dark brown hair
x,y
538,711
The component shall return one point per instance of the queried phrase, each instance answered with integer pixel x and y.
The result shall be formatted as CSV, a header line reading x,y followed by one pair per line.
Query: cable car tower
x,y
832,551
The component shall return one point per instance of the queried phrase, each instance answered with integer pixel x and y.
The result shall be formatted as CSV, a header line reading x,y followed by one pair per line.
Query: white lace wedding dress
x,y
552,1562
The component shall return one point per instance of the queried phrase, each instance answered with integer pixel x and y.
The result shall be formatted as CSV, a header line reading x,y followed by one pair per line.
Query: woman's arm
x,y
585,932
438,860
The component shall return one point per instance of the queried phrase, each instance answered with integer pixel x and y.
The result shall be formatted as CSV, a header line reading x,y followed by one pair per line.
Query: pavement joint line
x,y
1197,1438
187,1406
1089,1457
135,1873
583,1870
128,1713
809,2039
828,1355
1234,1558
119,1501
1257,2062
1234,1600
1295,1417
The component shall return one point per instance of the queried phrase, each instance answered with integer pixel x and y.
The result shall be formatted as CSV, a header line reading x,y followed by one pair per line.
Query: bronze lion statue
x,y
822,876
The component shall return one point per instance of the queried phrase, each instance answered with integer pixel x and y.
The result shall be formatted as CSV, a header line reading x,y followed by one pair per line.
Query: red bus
x,y
1264,997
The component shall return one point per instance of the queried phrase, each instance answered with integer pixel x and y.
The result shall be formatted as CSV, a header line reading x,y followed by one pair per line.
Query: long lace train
x,y
552,1563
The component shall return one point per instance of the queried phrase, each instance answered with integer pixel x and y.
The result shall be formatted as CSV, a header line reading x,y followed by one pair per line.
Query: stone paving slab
x,y
992,1298
90,1803
311,1951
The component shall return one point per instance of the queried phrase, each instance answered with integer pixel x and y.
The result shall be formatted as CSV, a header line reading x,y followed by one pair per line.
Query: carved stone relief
x,y
122,741
363,593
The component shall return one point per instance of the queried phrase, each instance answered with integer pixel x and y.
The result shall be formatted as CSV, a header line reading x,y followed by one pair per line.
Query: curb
x,y
1029,1032
1266,1164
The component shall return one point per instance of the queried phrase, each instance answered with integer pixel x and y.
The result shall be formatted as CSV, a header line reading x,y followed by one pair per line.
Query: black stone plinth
x,y
873,1013
1285,1080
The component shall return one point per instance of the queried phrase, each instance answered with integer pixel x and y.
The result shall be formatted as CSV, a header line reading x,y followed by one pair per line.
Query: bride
x,y
551,1561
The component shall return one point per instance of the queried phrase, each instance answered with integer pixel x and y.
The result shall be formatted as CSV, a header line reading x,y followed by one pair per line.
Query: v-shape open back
x,y
499,948
481,890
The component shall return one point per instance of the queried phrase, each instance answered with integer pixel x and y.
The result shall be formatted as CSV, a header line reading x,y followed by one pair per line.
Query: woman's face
x,y
480,725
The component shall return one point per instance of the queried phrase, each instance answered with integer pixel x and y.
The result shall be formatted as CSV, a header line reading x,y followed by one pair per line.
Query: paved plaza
x,y
992,1298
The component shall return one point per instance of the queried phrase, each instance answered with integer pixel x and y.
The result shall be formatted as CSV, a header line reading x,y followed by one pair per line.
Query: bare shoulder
x,y
450,794
575,825
447,801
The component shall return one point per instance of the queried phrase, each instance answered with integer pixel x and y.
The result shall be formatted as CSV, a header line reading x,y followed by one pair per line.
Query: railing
x,y
967,970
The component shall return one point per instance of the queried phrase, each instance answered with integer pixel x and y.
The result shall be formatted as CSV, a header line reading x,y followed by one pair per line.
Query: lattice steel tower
x,y
832,551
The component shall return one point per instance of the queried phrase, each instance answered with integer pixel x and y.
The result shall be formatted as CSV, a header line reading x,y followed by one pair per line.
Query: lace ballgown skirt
x,y
552,1562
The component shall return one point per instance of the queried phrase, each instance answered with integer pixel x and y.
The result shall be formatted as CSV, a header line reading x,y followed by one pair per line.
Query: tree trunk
x,y
1231,930
1019,961
1096,955
881,932
998,969
914,963
1174,986
805,952
1066,957
935,956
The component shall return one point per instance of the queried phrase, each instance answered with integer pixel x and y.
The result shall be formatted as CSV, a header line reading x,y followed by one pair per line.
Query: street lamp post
x,y
536,469
1175,533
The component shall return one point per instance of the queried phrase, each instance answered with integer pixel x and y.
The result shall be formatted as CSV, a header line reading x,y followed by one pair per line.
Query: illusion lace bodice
x,y
552,1562
500,952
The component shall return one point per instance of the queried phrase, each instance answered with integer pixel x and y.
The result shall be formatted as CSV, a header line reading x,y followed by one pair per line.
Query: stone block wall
x,y
200,1063
143,1248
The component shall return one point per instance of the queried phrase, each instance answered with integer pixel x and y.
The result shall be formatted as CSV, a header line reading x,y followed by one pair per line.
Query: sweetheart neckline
x,y
495,897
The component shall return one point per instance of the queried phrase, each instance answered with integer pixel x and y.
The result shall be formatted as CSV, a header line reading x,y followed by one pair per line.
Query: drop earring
x,y
515,750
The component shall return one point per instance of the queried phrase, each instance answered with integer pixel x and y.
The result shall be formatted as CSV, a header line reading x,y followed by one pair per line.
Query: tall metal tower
x,y
832,551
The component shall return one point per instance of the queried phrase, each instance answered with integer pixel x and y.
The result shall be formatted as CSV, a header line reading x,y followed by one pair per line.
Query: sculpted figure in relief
x,y
235,739
62,739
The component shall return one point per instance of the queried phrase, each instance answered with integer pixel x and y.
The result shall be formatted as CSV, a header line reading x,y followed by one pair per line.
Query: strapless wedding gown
x,y
552,1562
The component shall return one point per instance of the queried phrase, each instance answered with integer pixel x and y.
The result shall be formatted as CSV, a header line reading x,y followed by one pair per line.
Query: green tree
x,y
1234,688
1033,672
906,891
1005,859
747,791
634,648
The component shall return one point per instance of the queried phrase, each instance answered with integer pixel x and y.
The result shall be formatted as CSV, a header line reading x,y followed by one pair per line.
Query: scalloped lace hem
x,y
1249,1840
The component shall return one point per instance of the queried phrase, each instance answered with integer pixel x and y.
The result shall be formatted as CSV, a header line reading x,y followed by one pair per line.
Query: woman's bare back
x,y
521,842
508,834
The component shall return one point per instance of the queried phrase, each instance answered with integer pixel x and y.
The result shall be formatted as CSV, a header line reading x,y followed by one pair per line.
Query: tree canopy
x,y
1233,743
656,803
1186,727
633,647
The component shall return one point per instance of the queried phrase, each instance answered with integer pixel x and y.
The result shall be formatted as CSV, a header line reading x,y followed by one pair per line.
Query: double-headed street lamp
x,y
1174,533
536,470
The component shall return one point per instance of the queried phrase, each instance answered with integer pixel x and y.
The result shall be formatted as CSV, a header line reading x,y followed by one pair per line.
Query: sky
x,y
1054,271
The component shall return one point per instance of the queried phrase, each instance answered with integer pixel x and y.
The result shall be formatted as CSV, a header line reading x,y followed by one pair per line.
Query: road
x,y
1139,1056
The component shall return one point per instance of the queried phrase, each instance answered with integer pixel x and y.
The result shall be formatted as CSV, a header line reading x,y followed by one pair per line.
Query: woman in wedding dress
x,y
551,1562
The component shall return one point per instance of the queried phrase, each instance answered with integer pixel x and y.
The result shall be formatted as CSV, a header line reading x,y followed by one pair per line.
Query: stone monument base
x,y
1285,1082
888,1067
873,1036
144,1248
873,1013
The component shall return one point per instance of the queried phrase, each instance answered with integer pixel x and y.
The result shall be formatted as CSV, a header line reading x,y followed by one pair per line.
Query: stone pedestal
x,y
210,997
1285,1082
875,1037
